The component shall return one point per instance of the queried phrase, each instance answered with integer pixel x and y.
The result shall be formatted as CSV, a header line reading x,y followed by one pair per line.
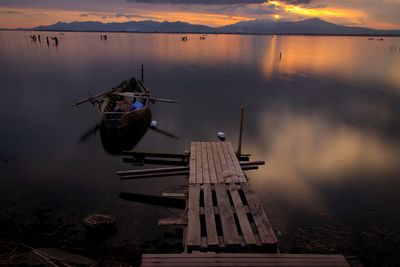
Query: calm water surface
x,y
325,118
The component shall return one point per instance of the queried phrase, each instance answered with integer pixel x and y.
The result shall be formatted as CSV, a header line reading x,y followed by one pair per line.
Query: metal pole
x,y
239,151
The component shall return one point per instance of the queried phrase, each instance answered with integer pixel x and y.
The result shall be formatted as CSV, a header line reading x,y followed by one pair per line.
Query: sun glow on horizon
x,y
348,15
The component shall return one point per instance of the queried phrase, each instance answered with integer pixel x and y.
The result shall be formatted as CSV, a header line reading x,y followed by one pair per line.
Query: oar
x,y
159,99
147,97
93,97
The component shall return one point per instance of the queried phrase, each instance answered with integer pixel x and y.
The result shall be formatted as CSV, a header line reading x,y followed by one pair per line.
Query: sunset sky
x,y
382,14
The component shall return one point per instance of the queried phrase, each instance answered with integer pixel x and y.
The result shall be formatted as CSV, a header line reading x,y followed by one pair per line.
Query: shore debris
x,y
97,221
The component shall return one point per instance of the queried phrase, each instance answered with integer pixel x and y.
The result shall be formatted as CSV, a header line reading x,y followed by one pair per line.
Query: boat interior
x,y
125,100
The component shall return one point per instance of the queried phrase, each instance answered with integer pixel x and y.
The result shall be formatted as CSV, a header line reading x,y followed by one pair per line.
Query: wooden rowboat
x,y
127,105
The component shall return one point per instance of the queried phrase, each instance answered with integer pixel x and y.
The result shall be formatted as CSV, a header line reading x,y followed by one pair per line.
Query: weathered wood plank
x,y
236,164
174,195
172,221
245,226
154,175
150,171
211,164
230,233
229,162
193,233
199,167
212,237
204,162
192,163
226,174
261,221
245,255
244,260
218,167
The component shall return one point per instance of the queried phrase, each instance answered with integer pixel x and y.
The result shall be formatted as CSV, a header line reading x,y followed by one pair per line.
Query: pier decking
x,y
225,215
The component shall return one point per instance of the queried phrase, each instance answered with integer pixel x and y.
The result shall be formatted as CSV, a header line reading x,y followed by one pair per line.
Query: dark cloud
x,y
259,11
202,2
117,15
297,2
10,12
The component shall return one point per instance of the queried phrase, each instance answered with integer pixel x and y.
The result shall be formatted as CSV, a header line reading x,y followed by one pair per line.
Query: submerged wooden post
x,y
142,75
239,150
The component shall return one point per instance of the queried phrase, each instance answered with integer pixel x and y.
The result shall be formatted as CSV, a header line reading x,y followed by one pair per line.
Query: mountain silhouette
x,y
314,26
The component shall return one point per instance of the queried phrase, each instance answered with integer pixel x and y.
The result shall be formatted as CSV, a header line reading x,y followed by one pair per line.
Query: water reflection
x,y
341,57
306,152
325,118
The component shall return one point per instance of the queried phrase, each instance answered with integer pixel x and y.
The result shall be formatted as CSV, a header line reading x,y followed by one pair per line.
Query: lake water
x,y
325,117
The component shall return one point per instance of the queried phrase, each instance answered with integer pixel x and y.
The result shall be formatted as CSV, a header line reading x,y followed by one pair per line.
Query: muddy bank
x,y
19,234
374,245
47,232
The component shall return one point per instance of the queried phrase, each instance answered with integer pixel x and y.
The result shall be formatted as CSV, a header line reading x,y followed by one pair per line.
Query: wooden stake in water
x,y
239,151
280,56
142,74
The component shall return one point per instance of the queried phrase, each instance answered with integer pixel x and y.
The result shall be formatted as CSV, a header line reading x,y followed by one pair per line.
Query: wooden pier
x,y
223,216
224,213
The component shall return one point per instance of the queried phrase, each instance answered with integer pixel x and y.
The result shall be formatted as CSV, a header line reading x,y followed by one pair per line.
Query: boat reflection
x,y
114,142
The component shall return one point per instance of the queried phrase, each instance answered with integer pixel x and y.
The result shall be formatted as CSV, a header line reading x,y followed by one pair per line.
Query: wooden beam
x,y
193,231
211,229
172,221
174,195
149,171
250,167
155,155
155,161
155,175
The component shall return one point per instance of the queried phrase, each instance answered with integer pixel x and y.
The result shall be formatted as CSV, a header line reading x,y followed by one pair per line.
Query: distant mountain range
x,y
313,26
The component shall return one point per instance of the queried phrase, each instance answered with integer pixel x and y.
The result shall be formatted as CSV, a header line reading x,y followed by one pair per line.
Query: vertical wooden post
x,y
280,56
239,150
142,75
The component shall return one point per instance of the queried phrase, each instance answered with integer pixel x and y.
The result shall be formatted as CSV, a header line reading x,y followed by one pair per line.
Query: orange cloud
x,y
326,13
29,17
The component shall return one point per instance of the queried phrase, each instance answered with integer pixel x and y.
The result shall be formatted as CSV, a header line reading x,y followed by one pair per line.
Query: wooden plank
x,y
211,164
212,237
229,162
193,233
172,221
154,175
241,213
199,167
217,162
250,259
174,195
204,161
261,221
226,174
150,171
192,163
229,230
243,255
155,155
236,164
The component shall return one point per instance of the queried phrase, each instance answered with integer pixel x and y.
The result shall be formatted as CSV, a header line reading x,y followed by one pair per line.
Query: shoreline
x,y
215,33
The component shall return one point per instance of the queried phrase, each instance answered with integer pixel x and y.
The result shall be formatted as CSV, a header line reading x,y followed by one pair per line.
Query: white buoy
x,y
221,136
153,124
